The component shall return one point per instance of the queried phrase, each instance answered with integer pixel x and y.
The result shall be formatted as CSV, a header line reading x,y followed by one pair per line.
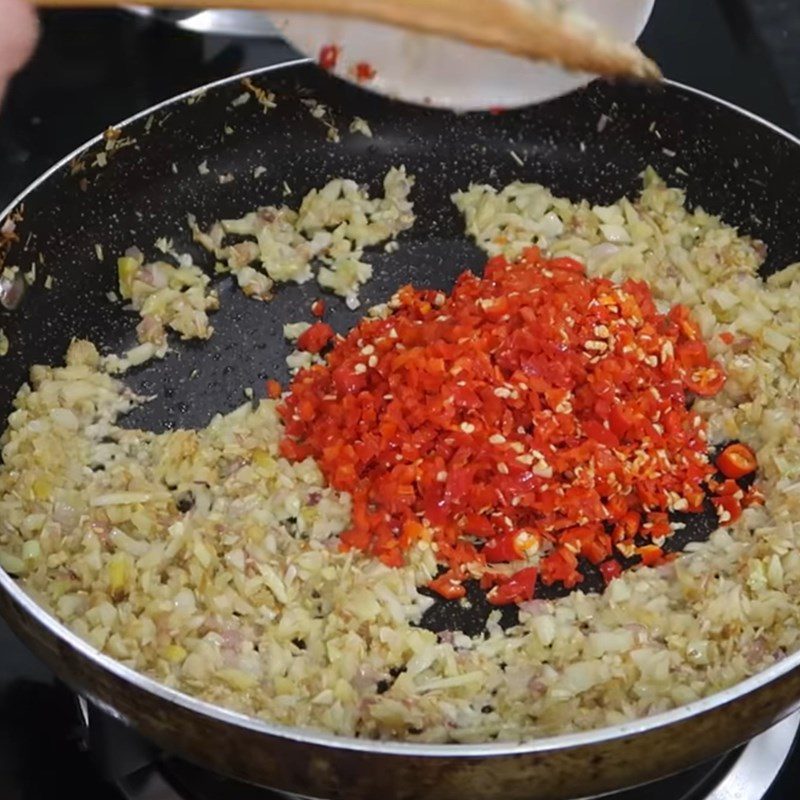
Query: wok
x,y
593,143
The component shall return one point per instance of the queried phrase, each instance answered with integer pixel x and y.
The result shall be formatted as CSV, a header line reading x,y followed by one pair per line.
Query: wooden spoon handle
x,y
515,26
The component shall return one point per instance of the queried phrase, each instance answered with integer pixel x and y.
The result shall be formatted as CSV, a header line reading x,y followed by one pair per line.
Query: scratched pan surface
x,y
593,144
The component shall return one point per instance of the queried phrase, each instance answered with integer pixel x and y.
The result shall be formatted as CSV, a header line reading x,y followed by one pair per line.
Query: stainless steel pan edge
x,y
322,765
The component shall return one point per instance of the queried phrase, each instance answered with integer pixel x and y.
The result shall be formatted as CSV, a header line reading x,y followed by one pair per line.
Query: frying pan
x,y
593,143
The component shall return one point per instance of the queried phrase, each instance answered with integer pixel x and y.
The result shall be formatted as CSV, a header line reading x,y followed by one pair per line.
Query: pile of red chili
x,y
534,415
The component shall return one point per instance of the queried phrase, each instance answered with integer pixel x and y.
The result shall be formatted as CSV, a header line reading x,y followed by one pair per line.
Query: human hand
x,y
18,31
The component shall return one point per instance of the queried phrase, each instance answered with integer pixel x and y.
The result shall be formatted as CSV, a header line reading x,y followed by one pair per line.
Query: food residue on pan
x,y
241,99
8,232
196,96
333,226
263,97
362,72
113,142
4,343
321,112
167,296
360,125
217,565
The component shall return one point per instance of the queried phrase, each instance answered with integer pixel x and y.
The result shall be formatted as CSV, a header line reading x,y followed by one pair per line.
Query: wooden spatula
x,y
543,30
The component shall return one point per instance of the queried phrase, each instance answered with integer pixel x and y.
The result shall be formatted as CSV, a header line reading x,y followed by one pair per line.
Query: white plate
x,y
431,70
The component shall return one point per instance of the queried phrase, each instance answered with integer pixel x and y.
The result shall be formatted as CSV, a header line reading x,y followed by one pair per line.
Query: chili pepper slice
x,y
736,461
318,308
610,570
509,546
753,497
728,486
364,71
448,585
328,56
315,338
650,554
705,381
273,389
516,589
681,316
729,509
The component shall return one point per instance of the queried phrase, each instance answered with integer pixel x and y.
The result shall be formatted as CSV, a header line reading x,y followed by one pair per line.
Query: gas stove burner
x,y
745,774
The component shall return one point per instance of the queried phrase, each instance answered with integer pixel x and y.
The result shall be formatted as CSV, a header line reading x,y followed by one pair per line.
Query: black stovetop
x,y
93,69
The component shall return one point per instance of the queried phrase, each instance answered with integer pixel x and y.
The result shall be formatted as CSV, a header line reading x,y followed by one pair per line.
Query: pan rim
x,y
309,736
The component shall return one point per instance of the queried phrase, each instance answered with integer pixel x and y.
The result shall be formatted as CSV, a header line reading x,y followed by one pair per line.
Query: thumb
x,y
18,32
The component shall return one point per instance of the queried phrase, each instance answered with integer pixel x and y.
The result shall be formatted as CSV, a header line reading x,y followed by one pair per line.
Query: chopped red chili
x,y
318,308
315,338
328,56
705,381
509,546
532,413
729,508
514,589
273,389
736,461
364,71
449,585
610,569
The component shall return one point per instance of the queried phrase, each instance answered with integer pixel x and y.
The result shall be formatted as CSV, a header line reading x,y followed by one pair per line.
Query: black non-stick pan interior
x,y
593,143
